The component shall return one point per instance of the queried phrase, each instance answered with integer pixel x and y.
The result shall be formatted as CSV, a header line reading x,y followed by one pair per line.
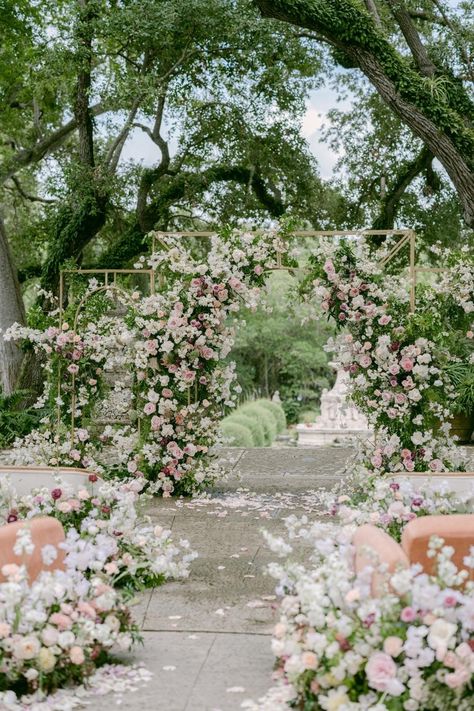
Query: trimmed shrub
x,y
277,411
236,434
261,414
255,426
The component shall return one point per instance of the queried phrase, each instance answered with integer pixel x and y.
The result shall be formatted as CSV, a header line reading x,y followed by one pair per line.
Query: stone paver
x,y
207,639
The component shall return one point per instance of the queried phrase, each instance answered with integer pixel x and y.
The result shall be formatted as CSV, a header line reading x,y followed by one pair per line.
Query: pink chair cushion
x,y
44,530
457,530
386,550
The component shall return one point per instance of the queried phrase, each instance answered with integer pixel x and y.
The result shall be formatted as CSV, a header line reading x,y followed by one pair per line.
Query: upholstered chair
x,y
44,530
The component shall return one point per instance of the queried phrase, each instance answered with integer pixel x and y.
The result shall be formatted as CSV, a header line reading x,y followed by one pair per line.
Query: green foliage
x,y
15,420
255,426
462,377
238,435
262,415
274,351
277,412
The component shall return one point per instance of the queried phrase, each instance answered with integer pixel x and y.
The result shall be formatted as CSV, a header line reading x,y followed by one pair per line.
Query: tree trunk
x,y
11,309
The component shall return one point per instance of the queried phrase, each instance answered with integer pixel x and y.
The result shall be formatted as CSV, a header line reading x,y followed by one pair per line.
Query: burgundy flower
x,y
56,494
12,517
394,486
394,346
93,478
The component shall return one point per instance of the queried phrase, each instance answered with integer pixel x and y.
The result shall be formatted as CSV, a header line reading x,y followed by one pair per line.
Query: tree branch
x,y
27,196
413,40
406,175
33,154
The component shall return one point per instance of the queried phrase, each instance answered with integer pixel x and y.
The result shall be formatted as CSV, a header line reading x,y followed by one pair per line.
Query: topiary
x,y
255,426
277,411
237,435
265,417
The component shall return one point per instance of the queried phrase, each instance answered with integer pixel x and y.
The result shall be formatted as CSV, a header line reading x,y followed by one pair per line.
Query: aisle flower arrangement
x,y
338,648
105,532
57,630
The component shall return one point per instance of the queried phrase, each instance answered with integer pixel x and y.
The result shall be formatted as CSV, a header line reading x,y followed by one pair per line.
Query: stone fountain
x,y
339,421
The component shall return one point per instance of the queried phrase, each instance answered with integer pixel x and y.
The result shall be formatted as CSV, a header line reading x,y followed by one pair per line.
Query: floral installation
x,y
174,342
105,533
338,648
58,629
397,360
390,504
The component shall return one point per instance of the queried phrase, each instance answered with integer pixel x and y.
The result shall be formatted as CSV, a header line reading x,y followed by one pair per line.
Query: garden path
x,y
207,639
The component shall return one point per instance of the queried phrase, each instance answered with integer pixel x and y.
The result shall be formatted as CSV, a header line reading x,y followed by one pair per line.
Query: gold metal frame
x,y
108,286
407,237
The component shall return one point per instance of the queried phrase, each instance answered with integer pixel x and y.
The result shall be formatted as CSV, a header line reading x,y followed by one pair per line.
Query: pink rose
x,y
384,320
62,621
458,678
73,368
309,660
76,655
381,673
149,408
365,361
166,392
436,465
407,363
258,269
393,646
408,614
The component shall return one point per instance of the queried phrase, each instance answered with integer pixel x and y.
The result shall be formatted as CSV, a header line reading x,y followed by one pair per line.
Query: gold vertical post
x,y
412,272
61,297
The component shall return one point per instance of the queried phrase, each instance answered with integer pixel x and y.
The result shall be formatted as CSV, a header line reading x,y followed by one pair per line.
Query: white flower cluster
x,y
341,649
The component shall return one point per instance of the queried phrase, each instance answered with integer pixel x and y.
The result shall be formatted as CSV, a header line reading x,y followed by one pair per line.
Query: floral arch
x,y
175,339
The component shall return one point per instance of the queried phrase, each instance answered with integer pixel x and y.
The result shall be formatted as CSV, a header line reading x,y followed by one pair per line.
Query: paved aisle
x,y
207,639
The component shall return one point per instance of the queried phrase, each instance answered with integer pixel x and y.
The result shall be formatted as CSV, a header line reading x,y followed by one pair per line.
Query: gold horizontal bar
x,y
106,271
296,233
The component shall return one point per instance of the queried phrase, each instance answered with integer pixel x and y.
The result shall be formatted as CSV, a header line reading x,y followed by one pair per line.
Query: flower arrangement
x,y
340,649
57,630
105,534
398,361
174,342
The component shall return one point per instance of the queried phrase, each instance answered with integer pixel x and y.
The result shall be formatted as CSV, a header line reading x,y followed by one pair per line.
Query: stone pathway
x,y
207,639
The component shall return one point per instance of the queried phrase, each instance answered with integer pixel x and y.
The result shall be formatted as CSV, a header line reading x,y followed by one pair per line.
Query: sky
x,y
320,101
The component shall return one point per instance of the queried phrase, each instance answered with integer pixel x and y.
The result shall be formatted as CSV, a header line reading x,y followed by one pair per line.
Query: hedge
x,y
255,426
236,434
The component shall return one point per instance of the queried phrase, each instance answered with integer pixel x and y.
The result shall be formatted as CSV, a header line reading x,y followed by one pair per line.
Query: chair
x,y
456,530
44,530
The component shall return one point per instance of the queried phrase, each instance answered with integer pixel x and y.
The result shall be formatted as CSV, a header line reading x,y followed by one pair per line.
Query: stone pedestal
x,y
339,421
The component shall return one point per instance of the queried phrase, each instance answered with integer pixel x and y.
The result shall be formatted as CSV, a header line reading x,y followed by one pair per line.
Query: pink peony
x,y
150,408
381,673
407,363
62,621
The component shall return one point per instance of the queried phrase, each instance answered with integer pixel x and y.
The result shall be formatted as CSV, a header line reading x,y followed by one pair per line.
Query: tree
x,y
217,92
404,53
386,174
274,350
